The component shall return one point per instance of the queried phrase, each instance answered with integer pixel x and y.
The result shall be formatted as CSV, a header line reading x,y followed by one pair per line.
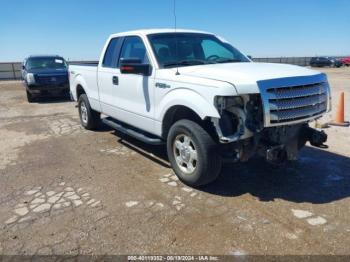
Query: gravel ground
x,y
64,190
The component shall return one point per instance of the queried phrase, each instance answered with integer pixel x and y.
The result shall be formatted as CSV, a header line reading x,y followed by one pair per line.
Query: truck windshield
x,y
185,49
46,62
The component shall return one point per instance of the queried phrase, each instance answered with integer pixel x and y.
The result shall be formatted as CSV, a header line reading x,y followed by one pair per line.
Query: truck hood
x,y
244,76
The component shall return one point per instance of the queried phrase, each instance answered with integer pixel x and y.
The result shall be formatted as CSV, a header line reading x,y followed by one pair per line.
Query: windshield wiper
x,y
185,63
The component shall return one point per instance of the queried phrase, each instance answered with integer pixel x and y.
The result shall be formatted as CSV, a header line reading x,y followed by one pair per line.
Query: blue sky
x,y
77,29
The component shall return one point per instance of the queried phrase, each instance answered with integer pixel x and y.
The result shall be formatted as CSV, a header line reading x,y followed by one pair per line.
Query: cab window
x,y
134,48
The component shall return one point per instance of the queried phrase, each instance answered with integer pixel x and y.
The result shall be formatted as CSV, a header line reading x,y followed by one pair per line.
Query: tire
x,y
201,163
89,118
30,97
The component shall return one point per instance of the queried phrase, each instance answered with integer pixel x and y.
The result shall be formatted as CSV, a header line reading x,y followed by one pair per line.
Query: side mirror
x,y
250,57
134,66
23,67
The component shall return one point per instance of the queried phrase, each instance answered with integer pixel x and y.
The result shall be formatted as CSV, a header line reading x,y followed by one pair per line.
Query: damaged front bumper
x,y
276,145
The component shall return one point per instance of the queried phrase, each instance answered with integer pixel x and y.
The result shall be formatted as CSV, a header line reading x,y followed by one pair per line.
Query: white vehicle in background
x,y
202,97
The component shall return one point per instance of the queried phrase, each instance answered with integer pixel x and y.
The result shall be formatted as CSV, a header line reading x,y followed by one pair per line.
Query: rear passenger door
x,y
108,77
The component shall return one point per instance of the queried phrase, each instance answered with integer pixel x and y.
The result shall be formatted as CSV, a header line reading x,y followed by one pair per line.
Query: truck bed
x,y
86,71
83,63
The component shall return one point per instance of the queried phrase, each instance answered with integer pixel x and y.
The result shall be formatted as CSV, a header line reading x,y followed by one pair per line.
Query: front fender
x,y
188,98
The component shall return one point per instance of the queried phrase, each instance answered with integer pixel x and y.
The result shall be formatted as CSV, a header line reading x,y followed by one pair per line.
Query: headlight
x,y
228,101
30,78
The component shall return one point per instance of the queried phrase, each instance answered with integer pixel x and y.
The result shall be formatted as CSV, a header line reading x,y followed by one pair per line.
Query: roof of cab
x,y
38,56
43,56
158,31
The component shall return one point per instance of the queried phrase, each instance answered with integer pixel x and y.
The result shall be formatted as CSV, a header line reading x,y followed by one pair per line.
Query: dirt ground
x,y
65,190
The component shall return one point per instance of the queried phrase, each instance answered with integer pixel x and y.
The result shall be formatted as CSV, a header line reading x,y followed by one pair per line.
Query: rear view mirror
x,y
134,66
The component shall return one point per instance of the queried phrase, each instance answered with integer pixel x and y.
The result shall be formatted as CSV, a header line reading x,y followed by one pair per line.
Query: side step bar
x,y
132,132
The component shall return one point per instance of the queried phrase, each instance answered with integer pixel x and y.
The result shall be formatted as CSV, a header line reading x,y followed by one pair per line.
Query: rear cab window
x,y
111,56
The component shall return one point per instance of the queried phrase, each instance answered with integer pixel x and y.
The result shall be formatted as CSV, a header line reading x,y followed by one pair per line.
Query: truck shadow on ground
x,y
52,99
156,154
318,177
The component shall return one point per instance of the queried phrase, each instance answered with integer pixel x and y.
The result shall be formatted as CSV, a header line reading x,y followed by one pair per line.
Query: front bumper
x,y
276,144
37,89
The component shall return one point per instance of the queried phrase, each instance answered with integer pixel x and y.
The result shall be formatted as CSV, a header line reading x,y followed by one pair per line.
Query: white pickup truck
x,y
203,98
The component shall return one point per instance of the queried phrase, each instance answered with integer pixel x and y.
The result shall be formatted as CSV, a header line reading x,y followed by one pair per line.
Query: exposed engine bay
x,y
242,134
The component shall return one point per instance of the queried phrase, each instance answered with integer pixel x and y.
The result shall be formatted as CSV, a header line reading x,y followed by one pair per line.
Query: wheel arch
x,y
180,112
79,90
184,104
187,98
78,87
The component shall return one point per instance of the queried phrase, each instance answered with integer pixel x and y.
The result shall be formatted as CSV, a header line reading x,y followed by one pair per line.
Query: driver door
x,y
134,93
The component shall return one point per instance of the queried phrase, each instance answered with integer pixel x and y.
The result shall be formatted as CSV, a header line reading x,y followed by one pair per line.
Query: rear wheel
x,y
193,153
89,118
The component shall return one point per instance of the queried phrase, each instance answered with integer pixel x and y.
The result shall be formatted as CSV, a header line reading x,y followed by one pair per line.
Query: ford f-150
x,y
203,98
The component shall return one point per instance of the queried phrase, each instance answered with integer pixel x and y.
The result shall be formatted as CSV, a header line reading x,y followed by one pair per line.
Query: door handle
x,y
115,80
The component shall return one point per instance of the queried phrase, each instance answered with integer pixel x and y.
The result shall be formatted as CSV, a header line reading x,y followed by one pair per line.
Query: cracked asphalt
x,y
65,190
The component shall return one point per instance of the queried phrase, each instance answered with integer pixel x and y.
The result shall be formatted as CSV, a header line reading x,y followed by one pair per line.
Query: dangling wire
x,y
176,46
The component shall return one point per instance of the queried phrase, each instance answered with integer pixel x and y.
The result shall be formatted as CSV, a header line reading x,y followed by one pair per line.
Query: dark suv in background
x,y
325,61
45,75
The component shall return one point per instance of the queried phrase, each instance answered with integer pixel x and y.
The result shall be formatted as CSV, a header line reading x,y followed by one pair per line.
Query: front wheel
x,y
193,153
30,97
89,118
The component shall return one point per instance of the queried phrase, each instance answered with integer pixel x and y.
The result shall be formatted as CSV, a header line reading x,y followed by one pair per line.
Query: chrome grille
x,y
52,79
297,113
292,100
296,91
276,104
